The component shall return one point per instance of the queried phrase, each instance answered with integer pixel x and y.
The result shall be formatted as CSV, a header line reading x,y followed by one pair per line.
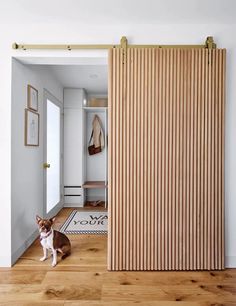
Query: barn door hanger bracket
x,y
210,44
123,45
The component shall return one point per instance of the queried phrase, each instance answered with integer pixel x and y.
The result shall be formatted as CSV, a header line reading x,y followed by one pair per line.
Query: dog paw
x,y
54,264
43,258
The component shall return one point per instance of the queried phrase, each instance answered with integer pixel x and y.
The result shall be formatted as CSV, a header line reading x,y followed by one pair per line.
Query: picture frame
x,y
32,98
31,128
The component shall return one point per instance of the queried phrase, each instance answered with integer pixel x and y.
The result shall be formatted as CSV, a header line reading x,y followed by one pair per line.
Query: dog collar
x,y
46,236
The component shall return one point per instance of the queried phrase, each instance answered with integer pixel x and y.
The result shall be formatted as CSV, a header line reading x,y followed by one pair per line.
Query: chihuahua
x,y
53,240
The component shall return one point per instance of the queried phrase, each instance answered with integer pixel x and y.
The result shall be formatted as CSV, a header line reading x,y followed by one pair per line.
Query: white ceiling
x,y
118,11
94,78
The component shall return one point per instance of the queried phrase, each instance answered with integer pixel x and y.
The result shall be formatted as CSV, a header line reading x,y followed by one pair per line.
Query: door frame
x,y
39,58
48,96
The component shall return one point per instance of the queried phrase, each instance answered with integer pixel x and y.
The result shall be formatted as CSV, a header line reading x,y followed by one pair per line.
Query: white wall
x,y
137,34
27,170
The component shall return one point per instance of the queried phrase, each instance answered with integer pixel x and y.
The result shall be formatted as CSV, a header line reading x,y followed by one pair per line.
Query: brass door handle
x,y
46,165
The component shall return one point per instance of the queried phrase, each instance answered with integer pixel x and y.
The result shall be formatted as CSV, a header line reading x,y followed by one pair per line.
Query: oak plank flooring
x,y
35,303
20,277
82,279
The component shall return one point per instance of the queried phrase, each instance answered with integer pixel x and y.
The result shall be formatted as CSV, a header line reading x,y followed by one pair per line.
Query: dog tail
x,y
66,252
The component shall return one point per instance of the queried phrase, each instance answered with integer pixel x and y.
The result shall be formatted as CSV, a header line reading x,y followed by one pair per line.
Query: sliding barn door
x,y
166,159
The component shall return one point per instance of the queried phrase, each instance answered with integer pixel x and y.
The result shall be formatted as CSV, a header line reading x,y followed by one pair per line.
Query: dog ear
x,y
52,219
38,219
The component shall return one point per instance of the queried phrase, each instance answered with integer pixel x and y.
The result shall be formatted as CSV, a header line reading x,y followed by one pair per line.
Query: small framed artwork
x,y
32,98
31,128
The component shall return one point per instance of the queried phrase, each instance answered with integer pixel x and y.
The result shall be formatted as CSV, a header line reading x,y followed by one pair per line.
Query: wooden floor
x,y
82,279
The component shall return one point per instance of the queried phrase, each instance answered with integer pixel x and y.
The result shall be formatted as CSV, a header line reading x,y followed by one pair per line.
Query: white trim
x,y
27,243
230,262
58,206
100,60
4,262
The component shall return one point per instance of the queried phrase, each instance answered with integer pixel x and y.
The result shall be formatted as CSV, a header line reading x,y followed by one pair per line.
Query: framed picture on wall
x,y
32,98
31,128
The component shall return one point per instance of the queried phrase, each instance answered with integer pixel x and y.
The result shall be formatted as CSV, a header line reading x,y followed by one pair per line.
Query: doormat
x,y
86,222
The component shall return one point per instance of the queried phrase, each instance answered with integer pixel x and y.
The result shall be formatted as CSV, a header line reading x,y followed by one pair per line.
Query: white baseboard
x,y
24,247
5,262
230,261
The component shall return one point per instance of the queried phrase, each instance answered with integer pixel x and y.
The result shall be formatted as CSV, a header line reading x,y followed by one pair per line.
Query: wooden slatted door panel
x,y
166,159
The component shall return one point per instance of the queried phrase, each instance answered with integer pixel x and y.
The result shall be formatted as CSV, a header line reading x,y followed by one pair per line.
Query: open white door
x,y
53,154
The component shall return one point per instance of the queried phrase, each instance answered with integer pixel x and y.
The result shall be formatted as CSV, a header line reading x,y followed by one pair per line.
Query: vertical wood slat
x,y
223,155
110,160
159,158
177,157
166,159
173,191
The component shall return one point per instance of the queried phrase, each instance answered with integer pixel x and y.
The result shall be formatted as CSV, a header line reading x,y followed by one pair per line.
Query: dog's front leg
x,y
54,257
45,254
